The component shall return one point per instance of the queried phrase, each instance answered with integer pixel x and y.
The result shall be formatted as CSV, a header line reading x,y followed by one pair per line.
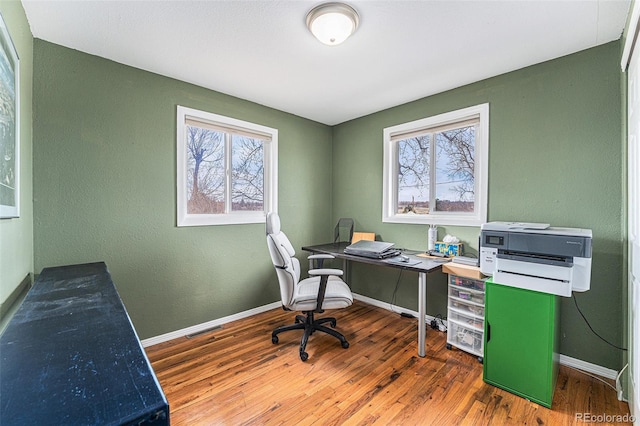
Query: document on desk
x,y
399,261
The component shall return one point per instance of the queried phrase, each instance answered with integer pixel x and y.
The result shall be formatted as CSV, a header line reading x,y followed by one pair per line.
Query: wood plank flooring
x,y
236,376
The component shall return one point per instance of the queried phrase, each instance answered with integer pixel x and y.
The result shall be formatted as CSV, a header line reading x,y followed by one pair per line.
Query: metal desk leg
x,y
422,310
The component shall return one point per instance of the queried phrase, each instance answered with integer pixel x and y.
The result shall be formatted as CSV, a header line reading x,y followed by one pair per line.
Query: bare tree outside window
x,y
206,172
248,174
414,157
450,164
435,169
455,162
226,169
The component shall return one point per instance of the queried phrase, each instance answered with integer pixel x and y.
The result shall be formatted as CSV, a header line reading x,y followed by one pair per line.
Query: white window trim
x,y
270,171
390,170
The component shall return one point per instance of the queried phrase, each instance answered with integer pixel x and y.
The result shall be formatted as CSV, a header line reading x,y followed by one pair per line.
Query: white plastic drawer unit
x,y
465,307
466,339
465,315
466,283
466,290
465,320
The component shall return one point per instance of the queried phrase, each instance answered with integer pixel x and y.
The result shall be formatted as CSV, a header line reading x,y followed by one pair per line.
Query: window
x,y
226,172
435,169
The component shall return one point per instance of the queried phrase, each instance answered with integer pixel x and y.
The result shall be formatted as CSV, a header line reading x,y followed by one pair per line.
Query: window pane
x,y
455,184
247,182
413,174
436,169
226,169
205,171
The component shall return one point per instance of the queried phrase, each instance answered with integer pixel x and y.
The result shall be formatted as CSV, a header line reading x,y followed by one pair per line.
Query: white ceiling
x,y
262,51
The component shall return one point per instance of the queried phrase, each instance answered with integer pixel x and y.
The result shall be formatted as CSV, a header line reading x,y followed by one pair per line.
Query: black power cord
x,y
591,328
435,323
395,291
439,323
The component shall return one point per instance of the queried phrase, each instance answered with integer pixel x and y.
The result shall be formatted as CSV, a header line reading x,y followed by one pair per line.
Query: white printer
x,y
536,257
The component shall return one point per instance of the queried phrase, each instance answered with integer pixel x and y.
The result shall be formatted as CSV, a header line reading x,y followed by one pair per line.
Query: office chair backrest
x,y
282,256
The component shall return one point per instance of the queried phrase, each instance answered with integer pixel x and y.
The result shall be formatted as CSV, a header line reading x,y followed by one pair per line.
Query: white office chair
x,y
323,290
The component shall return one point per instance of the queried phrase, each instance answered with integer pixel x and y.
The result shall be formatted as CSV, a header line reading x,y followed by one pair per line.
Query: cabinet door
x,y
520,341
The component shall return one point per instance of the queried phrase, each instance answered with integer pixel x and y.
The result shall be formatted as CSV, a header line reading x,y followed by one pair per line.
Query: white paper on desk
x,y
439,259
410,262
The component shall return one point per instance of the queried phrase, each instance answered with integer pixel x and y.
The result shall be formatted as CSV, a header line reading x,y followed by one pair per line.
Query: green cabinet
x,y
521,341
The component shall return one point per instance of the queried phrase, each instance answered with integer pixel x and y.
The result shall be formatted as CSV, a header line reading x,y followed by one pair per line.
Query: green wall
x,y
555,156
104,179
16,235
104,189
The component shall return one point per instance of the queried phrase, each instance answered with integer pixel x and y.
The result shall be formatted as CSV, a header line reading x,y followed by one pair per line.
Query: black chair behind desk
x,y
343,231
70,355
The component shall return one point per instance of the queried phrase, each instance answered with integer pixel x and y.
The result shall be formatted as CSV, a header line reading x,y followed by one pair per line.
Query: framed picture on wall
x,y
9,126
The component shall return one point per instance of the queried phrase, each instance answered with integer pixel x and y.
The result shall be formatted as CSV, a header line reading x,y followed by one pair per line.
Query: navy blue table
x,y
70,356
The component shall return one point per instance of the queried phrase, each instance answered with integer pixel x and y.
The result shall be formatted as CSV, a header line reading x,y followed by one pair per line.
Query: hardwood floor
x,y
235,375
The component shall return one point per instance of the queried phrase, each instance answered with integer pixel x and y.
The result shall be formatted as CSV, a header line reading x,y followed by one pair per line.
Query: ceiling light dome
x,y
332,23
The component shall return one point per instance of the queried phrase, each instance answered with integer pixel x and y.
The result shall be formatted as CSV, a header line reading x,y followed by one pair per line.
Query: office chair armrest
x,y
326,271
324,278
319,258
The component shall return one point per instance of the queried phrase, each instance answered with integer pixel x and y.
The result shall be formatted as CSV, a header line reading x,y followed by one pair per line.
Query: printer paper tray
x,y
534,276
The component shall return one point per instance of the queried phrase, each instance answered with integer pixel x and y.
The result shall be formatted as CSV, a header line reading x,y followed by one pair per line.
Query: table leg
x,y
422,310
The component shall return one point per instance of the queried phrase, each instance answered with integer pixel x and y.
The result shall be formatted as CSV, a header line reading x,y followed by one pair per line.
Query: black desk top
x,y
337,249
71,356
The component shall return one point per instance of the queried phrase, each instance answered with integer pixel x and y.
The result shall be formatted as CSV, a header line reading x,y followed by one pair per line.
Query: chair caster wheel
x,y
345,344
304,356
274,339
449,346
333,324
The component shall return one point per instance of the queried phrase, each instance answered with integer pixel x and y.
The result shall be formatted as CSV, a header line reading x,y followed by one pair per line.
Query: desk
x,y
426,266
70,355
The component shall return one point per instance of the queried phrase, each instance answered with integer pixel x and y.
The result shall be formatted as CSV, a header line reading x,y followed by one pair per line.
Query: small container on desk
x,y
450,249
465,309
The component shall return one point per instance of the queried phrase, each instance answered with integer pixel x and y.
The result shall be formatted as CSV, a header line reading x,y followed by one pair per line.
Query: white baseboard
x,y
388,306
221,321
578,364
564,360
207,325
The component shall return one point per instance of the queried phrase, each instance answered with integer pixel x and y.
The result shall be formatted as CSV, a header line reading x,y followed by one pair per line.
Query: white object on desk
x,y
433,236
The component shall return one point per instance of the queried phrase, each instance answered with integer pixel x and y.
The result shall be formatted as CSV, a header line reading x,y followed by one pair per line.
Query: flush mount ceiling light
x,y
332,23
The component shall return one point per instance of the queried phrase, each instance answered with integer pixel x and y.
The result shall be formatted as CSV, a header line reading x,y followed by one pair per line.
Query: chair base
x,y
310,325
